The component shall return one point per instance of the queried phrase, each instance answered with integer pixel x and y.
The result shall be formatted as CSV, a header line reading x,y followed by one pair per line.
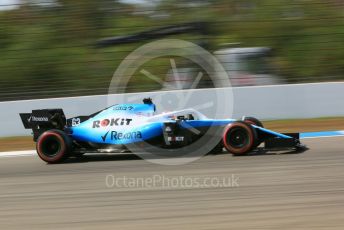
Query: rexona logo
x,y
117,136
111,122
33,118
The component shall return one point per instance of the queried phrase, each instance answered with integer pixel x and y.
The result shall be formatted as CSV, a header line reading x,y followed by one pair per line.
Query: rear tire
x,y
239,138
54,146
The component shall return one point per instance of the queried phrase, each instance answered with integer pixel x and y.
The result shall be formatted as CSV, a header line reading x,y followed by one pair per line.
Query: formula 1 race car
x,y
122,126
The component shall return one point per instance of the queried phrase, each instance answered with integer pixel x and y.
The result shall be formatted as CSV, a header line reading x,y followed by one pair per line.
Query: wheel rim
x,y
238,138
51,146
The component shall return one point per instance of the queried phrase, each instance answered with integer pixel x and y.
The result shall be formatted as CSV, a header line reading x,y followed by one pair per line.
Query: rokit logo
x,y
111,122
114,136
39,119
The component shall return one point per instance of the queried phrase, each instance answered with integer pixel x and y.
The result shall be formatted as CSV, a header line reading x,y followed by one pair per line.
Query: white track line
x,y
317,137
18,153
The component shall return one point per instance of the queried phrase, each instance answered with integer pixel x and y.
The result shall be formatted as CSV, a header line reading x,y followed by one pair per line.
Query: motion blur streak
x,y
287,191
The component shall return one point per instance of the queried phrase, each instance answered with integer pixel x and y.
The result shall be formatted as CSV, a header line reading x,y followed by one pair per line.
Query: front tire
x,y
253,121
54,146
239,138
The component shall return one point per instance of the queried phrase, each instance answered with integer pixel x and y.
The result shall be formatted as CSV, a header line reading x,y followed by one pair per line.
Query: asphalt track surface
x,y
272,191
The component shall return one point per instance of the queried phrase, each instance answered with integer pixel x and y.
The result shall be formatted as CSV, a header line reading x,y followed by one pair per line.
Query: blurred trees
x,y
306,35
47,49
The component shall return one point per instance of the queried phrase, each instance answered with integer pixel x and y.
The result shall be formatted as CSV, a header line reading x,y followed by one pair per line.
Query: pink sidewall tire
x,y
239,138
54,146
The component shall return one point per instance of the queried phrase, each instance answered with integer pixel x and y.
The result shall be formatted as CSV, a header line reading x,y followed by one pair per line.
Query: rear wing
x,y
42,120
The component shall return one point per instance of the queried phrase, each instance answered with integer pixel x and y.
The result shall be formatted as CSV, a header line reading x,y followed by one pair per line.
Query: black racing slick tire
x,y
256,122
253,121
239,138
54,146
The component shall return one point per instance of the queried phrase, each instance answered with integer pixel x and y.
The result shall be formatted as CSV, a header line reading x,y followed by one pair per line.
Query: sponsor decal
x,y
179,139
111,122
76,121
125,136
105,135
141,114
33,118
123,108
114,135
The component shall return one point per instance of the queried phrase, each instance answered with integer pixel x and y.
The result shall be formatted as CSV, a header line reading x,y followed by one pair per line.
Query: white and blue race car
x,y
136,127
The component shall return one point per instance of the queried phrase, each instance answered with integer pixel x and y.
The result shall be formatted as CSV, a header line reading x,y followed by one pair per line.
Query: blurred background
x,y
58,48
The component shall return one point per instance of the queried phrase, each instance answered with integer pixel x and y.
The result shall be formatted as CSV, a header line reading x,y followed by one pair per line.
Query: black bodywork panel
x,y
42,120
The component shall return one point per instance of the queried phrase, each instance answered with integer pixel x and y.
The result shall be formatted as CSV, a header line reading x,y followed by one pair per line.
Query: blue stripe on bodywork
x,y
321,134
272,132
104,136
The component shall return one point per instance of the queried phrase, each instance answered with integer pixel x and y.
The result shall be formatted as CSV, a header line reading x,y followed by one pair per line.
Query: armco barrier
x,y
263,102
